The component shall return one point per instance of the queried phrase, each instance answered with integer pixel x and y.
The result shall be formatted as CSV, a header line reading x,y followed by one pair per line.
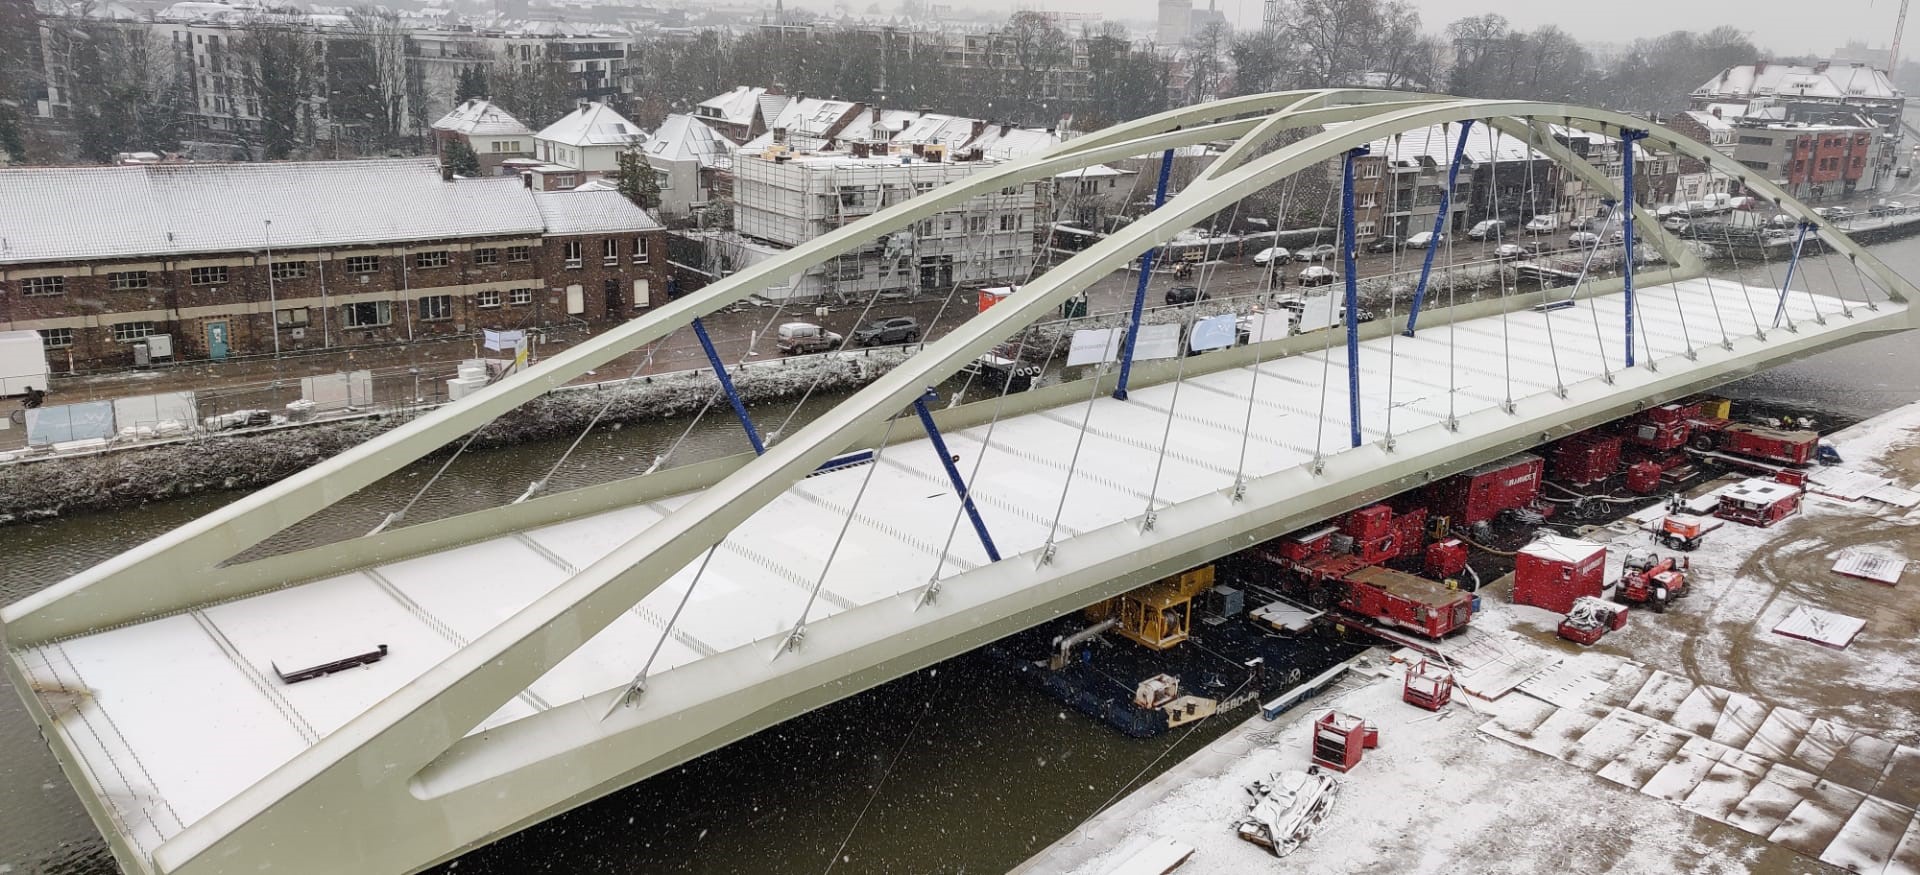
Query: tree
x,y
461,159
1126,82
537,91
278,63
1259,62
122,88
471,85
1035,49
1205,62
636,178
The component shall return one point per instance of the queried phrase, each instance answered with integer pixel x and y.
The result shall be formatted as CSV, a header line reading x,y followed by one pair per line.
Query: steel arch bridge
x,y
517,716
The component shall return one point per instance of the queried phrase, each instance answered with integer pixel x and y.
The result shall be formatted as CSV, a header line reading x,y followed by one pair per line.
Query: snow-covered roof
x,y
595,124
1096,171
1011,142
591,210
81,213
734,107
1713,123
1559,548
482,118
1830,81
685,138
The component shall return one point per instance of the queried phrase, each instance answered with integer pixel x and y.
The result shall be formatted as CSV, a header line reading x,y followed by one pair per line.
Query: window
x,y
564,180
573,253
292,317
486,256
363,263
208,276
1370,170
639,250
43,286
367,315
289,270
849,269
661,179
488,299
425,260
127,280
976,224
1010,190
518,254
1009,223
853,197
56,338
520,297
610,251
129,331
434,308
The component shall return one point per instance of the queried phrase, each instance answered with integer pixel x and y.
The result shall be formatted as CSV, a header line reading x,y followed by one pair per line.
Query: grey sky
x,y
1786,26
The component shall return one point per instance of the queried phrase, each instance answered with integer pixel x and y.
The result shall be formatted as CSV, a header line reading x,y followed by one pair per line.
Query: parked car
x,y
804,337
1538,247
1317,252
1384,243
1488,229
1583,240
1316,276
1903,172
1589,223
1273,255
896,329
1676,224
1185,295
1510,250
1425,239
1542,225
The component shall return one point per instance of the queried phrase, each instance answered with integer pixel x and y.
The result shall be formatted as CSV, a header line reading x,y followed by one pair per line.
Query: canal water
x,y
953,769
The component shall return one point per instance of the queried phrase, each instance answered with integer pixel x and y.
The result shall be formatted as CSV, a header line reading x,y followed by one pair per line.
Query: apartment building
x,y
240,259
1812,161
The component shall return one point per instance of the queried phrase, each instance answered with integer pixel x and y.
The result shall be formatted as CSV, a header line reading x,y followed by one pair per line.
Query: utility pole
x,y
273,300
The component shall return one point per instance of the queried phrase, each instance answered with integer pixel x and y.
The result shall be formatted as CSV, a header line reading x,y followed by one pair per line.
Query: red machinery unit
x,y
1427,686
1304,546
1650,579
1483,493
1755,441
1446,558
1339,740
1759,502
1591,619
1402,600
1643,478
1368,523
1554,572
1587,457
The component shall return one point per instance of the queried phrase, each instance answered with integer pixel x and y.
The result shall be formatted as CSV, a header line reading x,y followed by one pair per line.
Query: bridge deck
x,y
177,715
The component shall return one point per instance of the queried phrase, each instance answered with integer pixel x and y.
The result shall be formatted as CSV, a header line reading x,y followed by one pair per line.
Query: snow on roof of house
x,y
595,124
734,107
79,213
1097,170
588,211
1713,123
999,141
1560,548
479,117
685,138
1830,81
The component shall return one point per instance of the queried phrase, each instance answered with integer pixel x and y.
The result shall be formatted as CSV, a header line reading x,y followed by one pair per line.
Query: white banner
x,y
1157,342
504,340
1214,332
1271,325
1322,311
1094,345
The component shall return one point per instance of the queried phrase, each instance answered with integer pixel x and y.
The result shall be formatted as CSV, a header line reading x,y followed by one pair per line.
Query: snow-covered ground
x,y
1715,746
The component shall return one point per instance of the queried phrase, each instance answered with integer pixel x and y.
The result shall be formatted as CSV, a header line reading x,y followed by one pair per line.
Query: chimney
x,y
1716,112
780,135
1004,128
979,127
1822,66
446,172
876,115
776,89
1759,67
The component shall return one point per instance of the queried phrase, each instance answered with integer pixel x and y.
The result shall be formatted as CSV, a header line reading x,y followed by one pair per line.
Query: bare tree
x,y
277,63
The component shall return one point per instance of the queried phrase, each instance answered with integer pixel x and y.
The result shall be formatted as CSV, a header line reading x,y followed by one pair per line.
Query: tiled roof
x,y
170,210
481,118
588,211
595,124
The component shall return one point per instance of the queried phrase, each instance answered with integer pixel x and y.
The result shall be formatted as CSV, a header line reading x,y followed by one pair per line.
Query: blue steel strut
x,y
953,473
1352,316
1140,291
1439,223
726,383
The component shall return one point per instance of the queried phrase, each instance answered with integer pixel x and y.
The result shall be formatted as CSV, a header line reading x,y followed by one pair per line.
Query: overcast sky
x,y
1788,27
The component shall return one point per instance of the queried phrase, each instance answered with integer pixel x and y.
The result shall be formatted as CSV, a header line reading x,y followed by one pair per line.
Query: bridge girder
x,y
428,791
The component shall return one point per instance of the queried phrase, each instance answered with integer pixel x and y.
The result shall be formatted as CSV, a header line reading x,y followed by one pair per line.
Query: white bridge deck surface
x,y
178,715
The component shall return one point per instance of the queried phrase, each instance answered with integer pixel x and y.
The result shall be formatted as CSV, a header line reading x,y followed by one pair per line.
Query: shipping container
x,y
1770,444
1553,572
1404,601
1485,492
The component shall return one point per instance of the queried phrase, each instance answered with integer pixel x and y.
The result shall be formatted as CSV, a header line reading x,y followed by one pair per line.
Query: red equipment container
x,y
1759,502
1483,493
1791,477
1770,444
1658,435
1368,523
1554,572
1446,558
1304,545
1378,550
1339,740
1674,412
1643,478
1402,600
1410,530
1587,457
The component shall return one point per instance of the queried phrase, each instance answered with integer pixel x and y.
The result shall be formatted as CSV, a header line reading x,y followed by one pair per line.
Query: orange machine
x,y
1160,614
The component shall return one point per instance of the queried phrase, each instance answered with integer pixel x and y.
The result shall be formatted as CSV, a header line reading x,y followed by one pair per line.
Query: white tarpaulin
x,y
1322,311
1897,496
1214,332
151,410
505,340
1262,327
1820,627
1157,342
1870,566
1094,345
92,420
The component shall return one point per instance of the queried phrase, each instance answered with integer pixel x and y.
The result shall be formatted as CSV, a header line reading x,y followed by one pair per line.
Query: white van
x,y
1543,225
1490,229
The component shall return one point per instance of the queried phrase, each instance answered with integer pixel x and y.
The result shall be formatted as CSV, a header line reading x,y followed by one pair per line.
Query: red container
x,y
1554,571
1368,523
1484,492
1771,444
1301,546
1446,558
1658,435
1676,412
1791,477
1643,478
1378,550
1588,457
1411,530
1759,502
1402,600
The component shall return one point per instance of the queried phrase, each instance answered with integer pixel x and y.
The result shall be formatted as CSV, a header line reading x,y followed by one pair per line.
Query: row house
x,y
234,260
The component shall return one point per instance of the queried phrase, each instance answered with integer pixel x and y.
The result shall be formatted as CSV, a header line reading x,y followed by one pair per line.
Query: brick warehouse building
x,y
361,252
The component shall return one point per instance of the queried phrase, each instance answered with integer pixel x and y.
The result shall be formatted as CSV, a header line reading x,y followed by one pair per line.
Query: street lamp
x,y
273,299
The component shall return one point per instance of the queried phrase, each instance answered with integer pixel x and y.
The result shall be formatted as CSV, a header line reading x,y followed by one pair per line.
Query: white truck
x,y
23,363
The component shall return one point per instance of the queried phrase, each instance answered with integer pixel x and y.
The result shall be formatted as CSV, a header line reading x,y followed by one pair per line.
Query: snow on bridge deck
x,y
178,715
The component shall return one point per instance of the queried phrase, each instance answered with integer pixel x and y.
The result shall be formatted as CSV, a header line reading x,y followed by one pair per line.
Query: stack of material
x,y
471,377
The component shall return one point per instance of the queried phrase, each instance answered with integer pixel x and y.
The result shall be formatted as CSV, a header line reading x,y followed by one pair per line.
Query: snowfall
x,y
1698,740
